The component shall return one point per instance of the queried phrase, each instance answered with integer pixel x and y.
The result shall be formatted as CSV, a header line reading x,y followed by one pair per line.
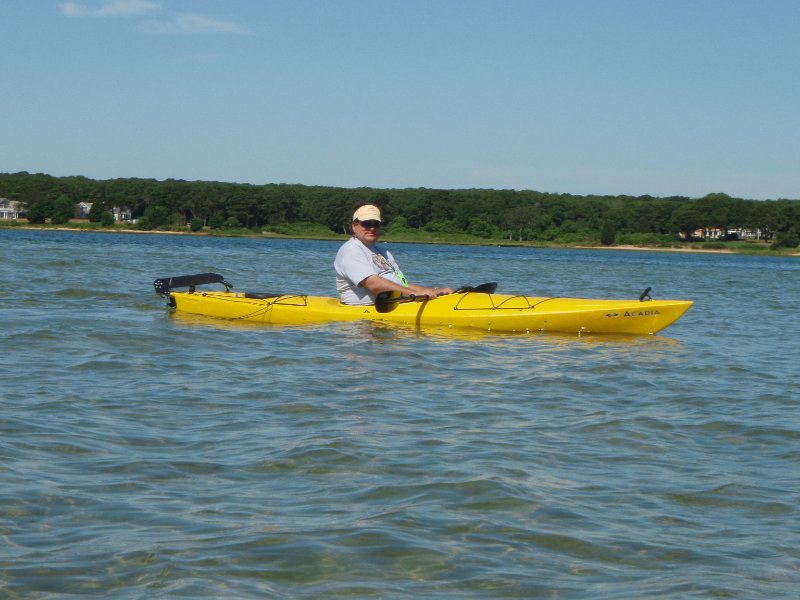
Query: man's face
x,y
367,232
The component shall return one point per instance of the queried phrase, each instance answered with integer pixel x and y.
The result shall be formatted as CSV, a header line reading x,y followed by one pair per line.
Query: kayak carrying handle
x,y
165,285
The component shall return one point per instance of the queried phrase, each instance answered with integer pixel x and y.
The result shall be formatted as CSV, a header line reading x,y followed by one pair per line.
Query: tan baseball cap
x,y
368,212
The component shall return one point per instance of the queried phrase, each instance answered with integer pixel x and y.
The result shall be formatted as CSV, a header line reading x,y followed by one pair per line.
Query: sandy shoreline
x,y
627,247
657,249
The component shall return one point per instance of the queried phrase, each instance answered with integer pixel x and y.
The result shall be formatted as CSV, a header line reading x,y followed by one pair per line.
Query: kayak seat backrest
x,y
260,296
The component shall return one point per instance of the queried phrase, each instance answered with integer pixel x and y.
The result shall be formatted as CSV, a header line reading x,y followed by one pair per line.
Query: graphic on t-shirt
x,y
387,266
381,262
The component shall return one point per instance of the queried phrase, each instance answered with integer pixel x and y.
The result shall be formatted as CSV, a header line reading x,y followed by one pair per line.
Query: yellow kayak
x,y
470,309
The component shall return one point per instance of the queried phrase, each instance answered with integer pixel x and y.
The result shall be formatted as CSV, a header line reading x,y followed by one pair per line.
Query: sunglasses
x,y
370,224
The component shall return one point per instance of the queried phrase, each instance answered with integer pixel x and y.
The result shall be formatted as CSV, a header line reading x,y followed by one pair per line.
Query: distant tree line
x,y
490,214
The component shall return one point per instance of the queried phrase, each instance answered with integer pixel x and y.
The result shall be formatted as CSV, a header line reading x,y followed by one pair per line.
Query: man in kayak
x,y
363,270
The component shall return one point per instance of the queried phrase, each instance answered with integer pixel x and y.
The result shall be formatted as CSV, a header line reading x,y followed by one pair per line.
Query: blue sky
x,y
659,97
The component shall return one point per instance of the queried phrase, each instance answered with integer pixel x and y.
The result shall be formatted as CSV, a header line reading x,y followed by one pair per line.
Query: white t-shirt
x,y
355,262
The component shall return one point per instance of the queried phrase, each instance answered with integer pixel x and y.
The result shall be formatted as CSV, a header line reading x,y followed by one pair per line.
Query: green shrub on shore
x,y
301,230
608,233
788,239
645,239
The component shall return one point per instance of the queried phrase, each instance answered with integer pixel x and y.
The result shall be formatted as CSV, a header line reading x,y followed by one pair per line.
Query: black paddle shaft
x,y
386,300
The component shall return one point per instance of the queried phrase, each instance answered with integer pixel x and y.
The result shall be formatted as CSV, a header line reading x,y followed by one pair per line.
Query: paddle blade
x,y
484,288
165,284
385,301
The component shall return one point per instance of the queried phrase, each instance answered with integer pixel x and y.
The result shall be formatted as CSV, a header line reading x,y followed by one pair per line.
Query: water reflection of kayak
x,y
467,308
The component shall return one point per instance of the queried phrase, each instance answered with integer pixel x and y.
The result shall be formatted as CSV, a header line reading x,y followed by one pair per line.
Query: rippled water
x,y
152,455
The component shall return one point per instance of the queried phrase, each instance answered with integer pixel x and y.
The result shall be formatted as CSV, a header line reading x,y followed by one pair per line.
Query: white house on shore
x,y
739,233
82,209
10,210
122,214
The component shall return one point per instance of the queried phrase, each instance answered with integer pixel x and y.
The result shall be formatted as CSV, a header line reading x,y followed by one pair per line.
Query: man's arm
x,y
376,284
